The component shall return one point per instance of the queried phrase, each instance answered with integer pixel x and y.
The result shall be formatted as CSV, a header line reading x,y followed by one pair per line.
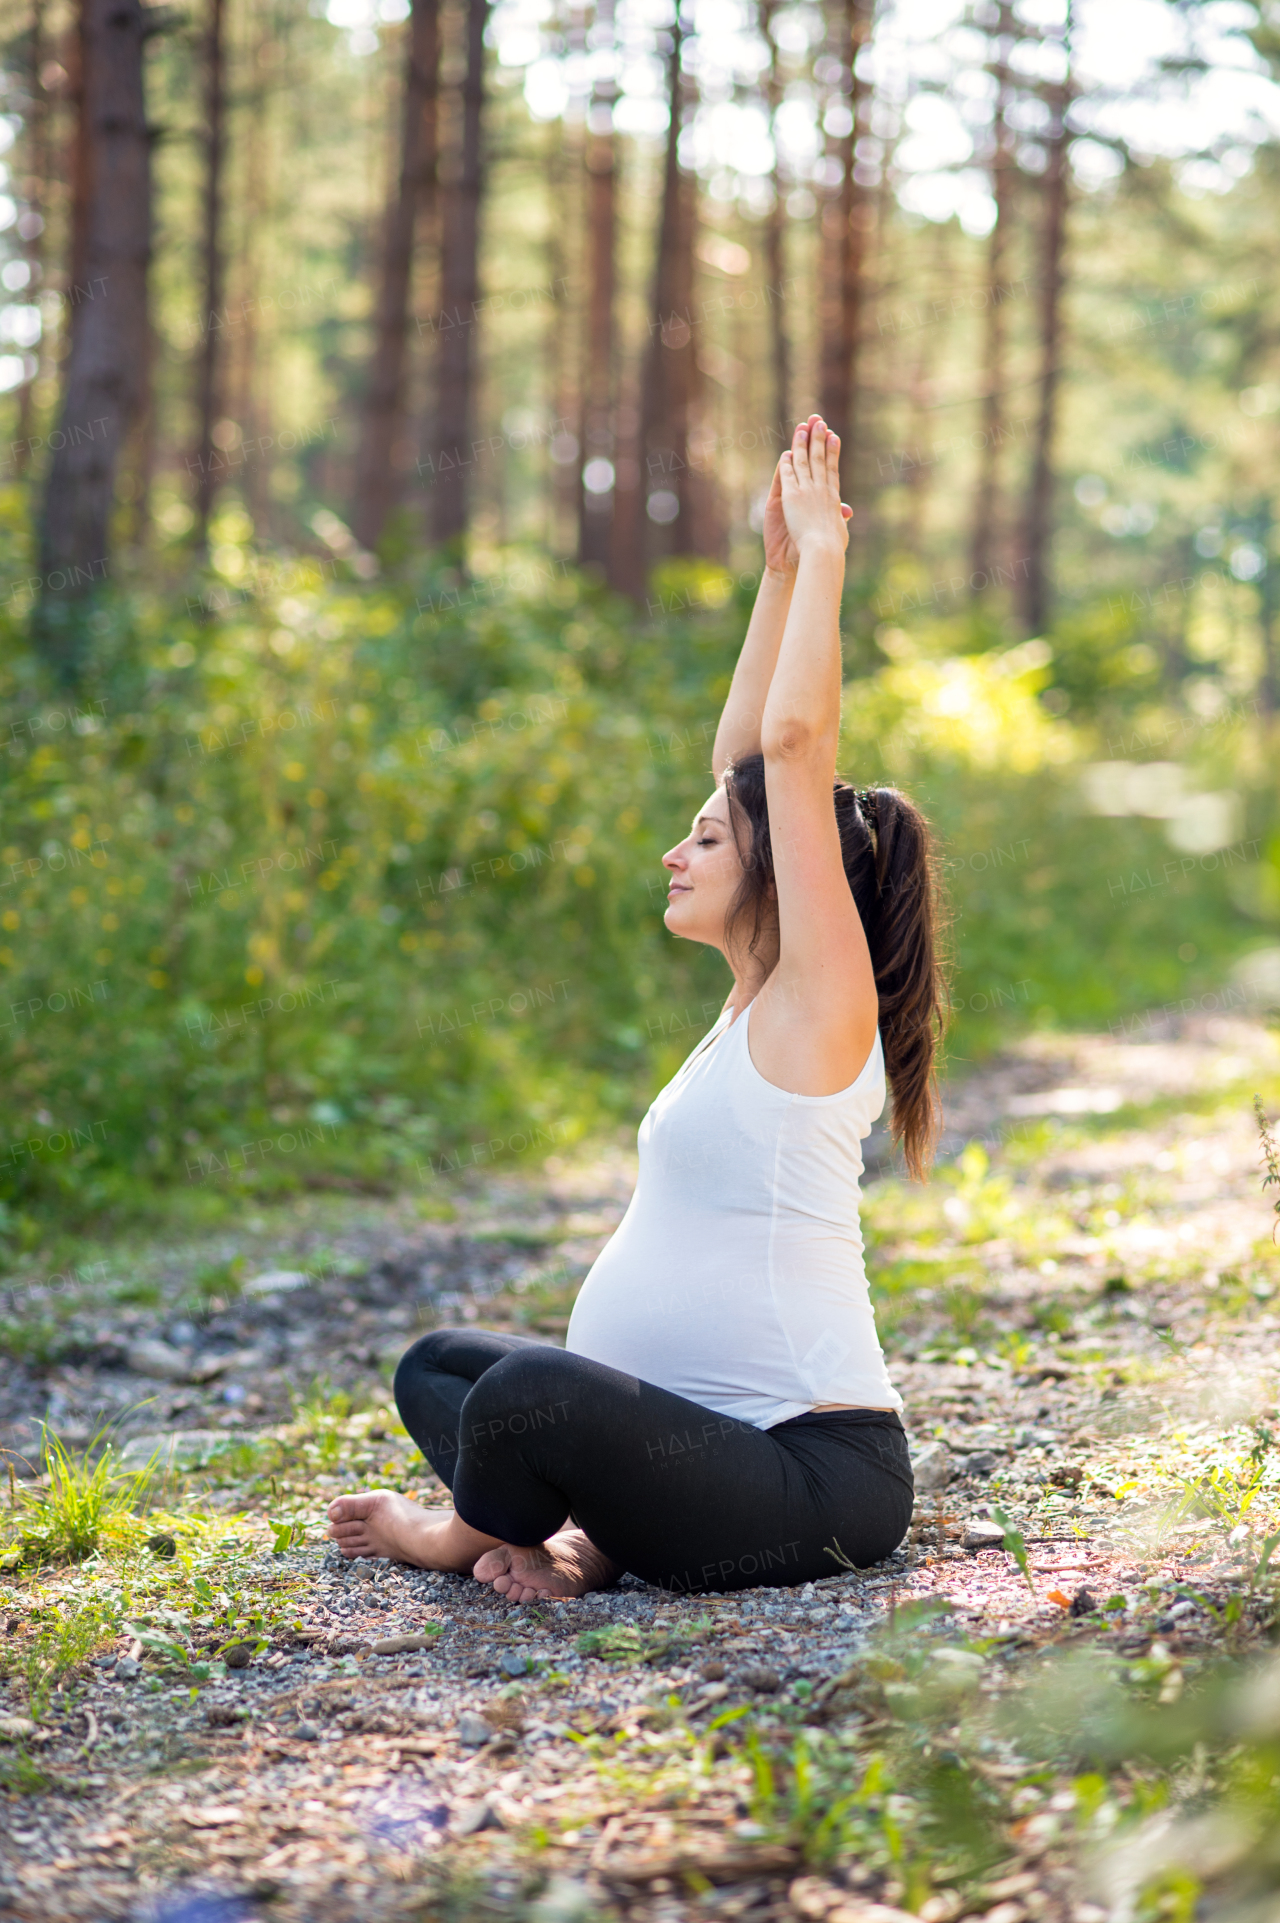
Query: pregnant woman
x,y
721,1415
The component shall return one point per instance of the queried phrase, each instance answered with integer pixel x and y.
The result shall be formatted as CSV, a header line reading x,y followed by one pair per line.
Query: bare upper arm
x,y
815,1019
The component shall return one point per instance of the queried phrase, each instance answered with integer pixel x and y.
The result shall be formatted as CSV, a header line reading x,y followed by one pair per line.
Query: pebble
x,y
472,1729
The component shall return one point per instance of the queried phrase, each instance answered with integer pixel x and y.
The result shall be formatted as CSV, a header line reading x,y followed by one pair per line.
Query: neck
x,y
751,972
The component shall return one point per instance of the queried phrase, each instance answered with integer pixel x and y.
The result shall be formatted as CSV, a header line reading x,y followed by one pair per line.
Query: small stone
x,y
238,1655
164,1545
712,1672
14,1728
224,1715
764,1681
174,1449
1082,1603
276,1282
472,1730
480,1816
307,1733
932,1467
128,1669
981,1463
563,1901
402,1645
512,1664
157,1360
982,1535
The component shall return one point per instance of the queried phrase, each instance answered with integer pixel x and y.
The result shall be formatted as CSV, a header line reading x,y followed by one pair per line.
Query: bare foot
x,y
382,1523
566,1564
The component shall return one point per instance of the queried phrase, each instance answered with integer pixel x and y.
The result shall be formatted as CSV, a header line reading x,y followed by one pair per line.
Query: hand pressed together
x,y
808,483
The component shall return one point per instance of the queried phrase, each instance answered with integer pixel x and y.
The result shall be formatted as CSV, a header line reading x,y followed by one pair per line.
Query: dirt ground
x,y
1081,1317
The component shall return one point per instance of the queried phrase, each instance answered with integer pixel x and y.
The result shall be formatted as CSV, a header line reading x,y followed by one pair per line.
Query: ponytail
x,y
888,855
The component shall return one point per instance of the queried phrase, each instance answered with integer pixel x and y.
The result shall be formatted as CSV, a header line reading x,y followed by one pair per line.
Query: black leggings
x,y
528,1437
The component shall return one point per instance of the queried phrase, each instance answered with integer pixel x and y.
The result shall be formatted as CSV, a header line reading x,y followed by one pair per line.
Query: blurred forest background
x,y
389,396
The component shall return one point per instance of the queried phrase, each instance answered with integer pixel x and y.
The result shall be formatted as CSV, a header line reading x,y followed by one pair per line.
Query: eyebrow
x,y
715,818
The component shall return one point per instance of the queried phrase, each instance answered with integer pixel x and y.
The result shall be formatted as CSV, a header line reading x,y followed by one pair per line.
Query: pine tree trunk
x,y
986,494
459,293
1039,521
595,520
377,472
215,152
844,231
104,374
38,130
670,385
775,229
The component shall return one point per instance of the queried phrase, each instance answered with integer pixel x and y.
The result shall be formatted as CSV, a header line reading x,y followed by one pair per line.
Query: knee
x,y
523,1395
423,1357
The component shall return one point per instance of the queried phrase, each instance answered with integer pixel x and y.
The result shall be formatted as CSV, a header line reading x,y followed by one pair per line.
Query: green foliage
x,y
361,884
70,1633
625,1644
1014,1544
67,1517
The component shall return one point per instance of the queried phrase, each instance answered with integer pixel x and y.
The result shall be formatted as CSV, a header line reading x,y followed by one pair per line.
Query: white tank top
x,y
736,1276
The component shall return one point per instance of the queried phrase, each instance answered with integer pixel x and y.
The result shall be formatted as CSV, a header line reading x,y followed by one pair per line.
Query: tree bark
x,y
595,518
211,248
459,293
775,255
378,471
37,190
109,323
844,231
1036,585
982,552
666,485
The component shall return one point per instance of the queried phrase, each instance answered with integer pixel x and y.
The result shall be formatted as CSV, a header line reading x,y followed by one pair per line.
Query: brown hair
x,y
892,869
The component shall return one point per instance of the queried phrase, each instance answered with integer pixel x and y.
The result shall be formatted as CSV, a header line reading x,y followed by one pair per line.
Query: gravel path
x,y
1082,1333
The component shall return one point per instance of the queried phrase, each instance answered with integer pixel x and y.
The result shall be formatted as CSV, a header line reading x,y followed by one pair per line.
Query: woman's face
x,y
705,870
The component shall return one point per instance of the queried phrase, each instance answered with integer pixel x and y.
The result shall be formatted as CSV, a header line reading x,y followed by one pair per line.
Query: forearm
x,y
739,731
802,707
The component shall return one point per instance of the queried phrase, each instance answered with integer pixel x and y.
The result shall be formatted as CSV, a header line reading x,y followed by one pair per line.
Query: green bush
x,y
325,881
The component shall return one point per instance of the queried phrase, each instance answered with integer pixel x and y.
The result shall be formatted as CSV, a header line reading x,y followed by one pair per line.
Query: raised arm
x,y
818,1009
739,731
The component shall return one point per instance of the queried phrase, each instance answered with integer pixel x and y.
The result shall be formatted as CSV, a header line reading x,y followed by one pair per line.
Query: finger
x,y
800,449
846,511
833,463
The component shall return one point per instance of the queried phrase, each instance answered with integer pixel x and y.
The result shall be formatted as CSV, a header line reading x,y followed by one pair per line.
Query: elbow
x,y
789,741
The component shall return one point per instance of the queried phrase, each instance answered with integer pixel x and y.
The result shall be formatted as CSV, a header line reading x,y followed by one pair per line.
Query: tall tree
x,y
775,230
32,225
1036,587
215,117
377,471
109,321
845,221
459,295
596,510
983,541
671,370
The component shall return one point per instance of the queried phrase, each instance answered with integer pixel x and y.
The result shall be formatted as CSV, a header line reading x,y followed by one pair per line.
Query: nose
x,y
675,857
